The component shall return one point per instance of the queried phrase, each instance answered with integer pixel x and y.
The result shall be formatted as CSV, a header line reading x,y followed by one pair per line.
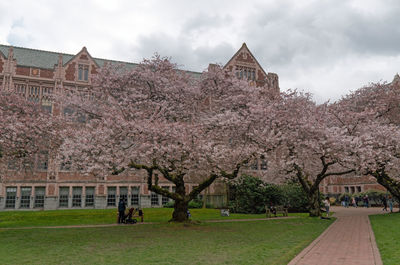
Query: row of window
x,y
39,162
246,73
36,93
352,189
259,165
26,196
78,195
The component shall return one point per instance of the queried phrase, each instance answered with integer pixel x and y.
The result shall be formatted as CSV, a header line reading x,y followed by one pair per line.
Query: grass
x,y
255,242
104,216
387,235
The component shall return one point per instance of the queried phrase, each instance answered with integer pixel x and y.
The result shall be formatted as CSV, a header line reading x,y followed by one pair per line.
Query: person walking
x,y
390,202
121,211
366,201
327,205
384,202
354,202
346,201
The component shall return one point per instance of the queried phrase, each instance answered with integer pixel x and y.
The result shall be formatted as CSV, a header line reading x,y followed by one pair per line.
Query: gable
x,y
244,58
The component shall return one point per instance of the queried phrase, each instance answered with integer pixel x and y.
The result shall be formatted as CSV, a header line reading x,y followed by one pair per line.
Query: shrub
x,y
192,204
169,204
294,197
247,195
195,204
250,195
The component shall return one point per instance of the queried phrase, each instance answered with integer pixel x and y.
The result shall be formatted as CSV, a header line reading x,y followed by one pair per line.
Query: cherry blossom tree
x,y
310,146
26,129
164,122
372,113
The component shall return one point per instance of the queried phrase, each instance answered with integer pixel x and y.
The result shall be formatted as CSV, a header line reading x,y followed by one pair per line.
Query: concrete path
x,y
348,241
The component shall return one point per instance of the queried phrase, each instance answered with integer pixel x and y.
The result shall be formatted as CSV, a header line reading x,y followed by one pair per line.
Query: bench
x,y
278,210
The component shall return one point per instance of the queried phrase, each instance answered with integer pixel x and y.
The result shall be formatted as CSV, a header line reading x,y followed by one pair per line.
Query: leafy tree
x,y
372,114
165,123
310,147
25,129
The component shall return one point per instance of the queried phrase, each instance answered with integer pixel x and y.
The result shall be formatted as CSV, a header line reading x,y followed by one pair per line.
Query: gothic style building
x,y
42,183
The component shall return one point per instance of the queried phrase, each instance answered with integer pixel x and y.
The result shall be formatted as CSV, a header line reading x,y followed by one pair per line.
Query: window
x,y
27,163
154,199
358,188
123,194
164,199
34,93
254,165
11,194
25,197
352,189
63,197
263,165
39,197
89,191
111,192
20,89
76,196
12,164
83,72
65,164
135,196
43,159
346,189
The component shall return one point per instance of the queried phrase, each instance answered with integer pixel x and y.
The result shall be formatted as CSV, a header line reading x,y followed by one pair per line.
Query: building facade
x,y
43,183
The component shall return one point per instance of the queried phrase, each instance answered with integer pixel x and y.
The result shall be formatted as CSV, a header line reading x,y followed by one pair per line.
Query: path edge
x,y
375,249
305,251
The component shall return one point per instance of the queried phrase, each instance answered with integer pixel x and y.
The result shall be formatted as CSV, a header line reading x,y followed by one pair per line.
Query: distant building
x,y
45,184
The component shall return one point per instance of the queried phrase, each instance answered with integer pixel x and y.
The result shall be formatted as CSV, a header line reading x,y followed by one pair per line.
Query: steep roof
x,y
47,59
245,48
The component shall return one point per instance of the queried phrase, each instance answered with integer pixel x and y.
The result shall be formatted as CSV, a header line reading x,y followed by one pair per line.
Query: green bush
x,y
294,197
193,204
247,195
169,204
250,195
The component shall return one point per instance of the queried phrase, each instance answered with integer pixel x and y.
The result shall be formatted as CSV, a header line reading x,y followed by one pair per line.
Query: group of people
x,y
387,201
124,217
355,201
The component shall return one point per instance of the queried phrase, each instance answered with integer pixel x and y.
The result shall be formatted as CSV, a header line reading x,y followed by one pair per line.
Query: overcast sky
x,y
326,47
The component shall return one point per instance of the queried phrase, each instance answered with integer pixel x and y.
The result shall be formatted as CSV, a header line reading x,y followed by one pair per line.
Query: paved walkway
x,y
348,241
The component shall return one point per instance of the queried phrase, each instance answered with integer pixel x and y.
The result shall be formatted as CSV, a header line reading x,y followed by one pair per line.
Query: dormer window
x,y
83,72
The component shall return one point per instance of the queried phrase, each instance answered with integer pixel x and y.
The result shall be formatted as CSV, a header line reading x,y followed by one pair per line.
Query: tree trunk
x,y
181,205
180,211
389,183
313,203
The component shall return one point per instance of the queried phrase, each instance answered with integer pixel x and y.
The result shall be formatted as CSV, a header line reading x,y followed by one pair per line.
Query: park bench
x,y
278,210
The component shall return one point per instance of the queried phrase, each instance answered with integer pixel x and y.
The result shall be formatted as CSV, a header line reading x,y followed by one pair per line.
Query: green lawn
x,y
254,242
108,216
387,235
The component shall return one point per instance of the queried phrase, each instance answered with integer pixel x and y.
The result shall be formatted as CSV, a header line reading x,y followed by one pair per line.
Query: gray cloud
x,y
326,47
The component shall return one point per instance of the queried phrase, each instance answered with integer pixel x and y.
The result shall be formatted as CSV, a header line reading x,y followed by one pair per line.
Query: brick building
x,y
45,184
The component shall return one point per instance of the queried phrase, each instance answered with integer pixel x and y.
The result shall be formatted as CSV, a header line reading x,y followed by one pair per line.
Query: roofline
x,y
60,53
244,44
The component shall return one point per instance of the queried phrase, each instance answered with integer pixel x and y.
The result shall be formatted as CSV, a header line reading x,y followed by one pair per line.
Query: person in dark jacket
x,y
121,211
